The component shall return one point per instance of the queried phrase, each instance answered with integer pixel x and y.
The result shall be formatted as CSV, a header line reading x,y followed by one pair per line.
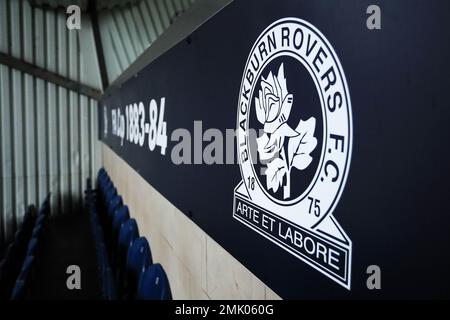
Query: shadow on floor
x,y
66,241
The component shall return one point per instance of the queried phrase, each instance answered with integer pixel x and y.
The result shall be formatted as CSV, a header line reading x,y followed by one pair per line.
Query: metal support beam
x,y
92,8
49,76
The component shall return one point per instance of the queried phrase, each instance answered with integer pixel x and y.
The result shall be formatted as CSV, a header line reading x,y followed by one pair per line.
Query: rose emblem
x,y
273,107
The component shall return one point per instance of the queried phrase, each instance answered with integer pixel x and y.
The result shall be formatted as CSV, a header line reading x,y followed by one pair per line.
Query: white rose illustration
x,y
273,107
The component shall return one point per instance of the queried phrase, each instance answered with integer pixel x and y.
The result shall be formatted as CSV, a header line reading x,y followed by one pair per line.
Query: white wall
x,y
197,267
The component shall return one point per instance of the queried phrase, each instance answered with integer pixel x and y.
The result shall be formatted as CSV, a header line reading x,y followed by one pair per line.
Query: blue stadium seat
x,y
108,286
94,222
45,207
40,219
106,197
102,258
114,204
109,193
128,233
120,216
104,184
15,254
111,207
101,174
32,246
19,290
139,258
23,280
28,221
26,267
37,230
154,285
103,179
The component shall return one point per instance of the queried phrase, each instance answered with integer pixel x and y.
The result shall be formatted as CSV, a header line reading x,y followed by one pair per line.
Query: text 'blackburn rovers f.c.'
x,y
295,95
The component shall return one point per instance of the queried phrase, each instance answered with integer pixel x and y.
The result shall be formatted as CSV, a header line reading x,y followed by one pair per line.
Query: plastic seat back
x,y
139,258
154,285
120,216
114,204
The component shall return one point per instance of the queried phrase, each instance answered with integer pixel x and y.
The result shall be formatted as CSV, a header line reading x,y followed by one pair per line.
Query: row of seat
x,y
125,262
16,268
104,270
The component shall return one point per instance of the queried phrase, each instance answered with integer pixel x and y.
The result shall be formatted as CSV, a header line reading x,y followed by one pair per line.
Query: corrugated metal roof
x,y
48,135
83,4
127,32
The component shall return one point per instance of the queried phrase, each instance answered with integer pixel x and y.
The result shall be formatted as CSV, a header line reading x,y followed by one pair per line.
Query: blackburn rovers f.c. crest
x,y
294,135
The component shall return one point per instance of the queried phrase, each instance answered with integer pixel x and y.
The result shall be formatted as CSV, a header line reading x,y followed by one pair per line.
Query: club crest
x,y
295,97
